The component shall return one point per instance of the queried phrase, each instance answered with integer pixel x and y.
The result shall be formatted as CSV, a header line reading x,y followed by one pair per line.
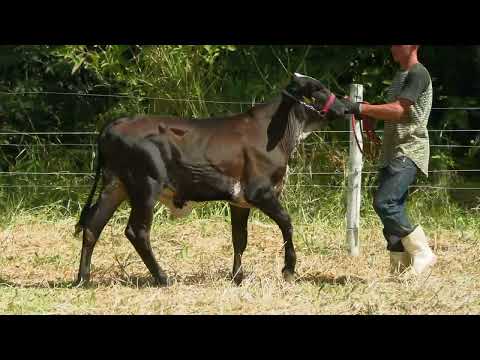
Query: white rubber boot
x,y
416,245
399,262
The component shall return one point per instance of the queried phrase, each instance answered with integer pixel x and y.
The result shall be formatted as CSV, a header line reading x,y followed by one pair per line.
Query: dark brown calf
x,y
241,159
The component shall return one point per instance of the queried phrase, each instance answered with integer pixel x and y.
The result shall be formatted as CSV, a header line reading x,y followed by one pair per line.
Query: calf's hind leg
x,y
139,225
99,215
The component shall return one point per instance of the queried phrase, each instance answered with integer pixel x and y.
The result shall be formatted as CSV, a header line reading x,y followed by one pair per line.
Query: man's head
x,y
403,53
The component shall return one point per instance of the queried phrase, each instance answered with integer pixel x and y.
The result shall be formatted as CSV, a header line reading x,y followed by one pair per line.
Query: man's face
x,y
401,52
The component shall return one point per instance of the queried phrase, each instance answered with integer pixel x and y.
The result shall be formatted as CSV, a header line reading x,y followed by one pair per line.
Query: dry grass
x,y
38,261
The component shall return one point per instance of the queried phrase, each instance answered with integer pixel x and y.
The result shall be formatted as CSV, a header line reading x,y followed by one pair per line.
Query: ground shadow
x,y
205,277
146,281
6,283
321,279
133,281
42,285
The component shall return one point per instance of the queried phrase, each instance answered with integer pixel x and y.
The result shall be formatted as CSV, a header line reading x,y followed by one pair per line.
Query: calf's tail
x,y
86,208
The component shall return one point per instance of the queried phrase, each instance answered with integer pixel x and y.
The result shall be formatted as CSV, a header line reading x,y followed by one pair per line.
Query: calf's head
x,y
308,103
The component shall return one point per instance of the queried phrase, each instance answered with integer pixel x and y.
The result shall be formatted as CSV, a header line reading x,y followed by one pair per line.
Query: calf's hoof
x,y
81,283
237,279
288,275
164,281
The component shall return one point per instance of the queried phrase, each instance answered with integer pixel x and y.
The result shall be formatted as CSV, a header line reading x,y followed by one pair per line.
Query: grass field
x,y
39,259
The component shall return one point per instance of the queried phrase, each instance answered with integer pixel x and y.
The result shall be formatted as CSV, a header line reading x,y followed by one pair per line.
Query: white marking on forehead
x,y
303,76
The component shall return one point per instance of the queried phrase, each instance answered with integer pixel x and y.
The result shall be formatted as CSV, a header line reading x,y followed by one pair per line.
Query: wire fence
x,y
334,173
307,144
313,132
94,133
327,186
130,96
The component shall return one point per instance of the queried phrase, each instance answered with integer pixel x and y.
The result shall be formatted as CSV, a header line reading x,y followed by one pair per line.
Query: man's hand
x,y
351,107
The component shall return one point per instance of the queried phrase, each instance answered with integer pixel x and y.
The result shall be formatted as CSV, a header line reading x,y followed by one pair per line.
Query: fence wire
x,y
329,173
129,96
92,145
311,174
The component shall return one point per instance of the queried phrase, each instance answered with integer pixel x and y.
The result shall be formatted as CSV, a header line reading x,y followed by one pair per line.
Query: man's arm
x,y
393,112
415,83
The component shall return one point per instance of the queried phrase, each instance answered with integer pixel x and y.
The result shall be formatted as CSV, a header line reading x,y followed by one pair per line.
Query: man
x,y
405,151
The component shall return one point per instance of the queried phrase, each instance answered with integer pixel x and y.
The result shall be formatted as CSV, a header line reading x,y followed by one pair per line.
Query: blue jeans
x,y
390,200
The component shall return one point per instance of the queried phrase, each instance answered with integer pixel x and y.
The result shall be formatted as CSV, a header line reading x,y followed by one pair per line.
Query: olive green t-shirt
x,y
410,137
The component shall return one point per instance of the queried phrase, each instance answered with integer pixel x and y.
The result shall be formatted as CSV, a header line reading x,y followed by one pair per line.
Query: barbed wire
x,y
287,185
376,172
43,145
46,186
305,144
21,133
337,173
17,133
17,173
126,96
375,187
50,133
381,131
425,187
13,93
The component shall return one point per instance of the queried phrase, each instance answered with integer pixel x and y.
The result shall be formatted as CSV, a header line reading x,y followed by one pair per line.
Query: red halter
x,y
328,104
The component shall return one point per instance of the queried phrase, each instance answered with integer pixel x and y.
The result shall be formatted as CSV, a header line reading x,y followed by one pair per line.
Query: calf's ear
x,y
278,124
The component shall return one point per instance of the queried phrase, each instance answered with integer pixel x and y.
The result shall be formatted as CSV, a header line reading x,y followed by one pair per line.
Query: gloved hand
x,y
351,107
